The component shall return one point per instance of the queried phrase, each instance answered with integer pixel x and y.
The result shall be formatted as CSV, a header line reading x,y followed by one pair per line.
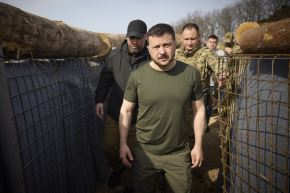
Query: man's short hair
x,y
212,36
190,26
160,29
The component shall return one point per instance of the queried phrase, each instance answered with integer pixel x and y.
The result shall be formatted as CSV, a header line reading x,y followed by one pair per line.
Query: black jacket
x,y
115,74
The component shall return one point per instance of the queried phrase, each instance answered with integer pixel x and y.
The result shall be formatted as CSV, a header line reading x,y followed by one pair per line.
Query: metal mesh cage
x,y
254,124
56,127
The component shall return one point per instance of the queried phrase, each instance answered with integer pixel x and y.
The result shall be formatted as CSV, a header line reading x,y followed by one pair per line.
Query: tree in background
x,y
219,22
227,19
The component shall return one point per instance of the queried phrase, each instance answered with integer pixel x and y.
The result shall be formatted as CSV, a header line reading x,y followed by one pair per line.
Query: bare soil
x,y
205,177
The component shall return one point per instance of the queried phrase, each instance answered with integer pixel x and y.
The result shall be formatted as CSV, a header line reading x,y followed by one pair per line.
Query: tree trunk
x,y
269,38
27,35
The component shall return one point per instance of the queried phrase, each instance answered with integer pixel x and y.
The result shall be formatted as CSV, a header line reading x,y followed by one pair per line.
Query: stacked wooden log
x,y
26,35
267,38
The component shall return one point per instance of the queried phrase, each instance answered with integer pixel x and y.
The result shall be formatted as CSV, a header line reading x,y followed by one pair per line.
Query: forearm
x,y
124,125
199,124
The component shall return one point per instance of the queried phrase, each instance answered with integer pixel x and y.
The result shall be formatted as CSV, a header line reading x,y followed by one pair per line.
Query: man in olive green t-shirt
x,y
163,89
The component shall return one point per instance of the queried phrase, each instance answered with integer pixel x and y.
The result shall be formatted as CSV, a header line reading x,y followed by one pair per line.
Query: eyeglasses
x,y
165,46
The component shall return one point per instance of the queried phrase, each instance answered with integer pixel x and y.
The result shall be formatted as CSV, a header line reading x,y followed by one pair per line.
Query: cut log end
x,y
243,28
269,38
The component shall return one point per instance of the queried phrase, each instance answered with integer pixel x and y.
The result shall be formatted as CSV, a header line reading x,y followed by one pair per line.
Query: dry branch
x,y
25,35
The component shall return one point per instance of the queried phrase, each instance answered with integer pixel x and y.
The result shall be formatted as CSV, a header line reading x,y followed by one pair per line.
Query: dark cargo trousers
x,y
148,169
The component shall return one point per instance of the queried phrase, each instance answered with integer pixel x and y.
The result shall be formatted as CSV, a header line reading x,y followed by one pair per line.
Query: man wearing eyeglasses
x,y
162,143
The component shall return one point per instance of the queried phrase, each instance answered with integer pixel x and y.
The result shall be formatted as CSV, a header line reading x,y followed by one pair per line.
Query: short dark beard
x,y
135,50
162,66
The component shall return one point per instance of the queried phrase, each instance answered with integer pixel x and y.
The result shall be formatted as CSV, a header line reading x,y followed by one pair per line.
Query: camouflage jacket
x,y
205,60
236,48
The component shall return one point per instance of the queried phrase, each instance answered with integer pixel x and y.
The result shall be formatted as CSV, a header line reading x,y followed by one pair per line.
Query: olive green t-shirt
x,y
163,98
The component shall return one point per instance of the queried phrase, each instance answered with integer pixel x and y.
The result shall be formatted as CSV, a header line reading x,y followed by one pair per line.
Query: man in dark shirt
x,y
120,63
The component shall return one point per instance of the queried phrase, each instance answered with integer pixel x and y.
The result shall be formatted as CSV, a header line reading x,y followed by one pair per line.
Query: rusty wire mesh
x,y
254,124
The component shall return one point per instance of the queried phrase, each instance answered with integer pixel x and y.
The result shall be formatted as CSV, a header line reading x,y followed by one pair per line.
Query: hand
x,y
100,110
196,157
126,156
228,50
222,79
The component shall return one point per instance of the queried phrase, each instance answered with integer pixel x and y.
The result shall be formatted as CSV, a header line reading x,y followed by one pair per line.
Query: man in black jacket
x,y
119,64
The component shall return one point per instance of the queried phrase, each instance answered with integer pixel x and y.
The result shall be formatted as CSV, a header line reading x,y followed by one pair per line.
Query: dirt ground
x,y
205,177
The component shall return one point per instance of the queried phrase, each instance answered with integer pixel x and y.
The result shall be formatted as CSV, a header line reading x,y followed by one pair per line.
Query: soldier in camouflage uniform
x,y
229,45
205,60
235,66
231,48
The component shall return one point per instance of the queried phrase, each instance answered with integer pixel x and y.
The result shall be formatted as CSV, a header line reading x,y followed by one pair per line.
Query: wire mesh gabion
x,y
254,124
57,131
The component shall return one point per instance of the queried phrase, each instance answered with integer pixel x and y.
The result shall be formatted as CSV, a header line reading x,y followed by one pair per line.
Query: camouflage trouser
x,y
208,102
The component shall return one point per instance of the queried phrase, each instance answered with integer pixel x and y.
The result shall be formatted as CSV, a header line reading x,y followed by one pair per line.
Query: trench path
x,y
205,177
